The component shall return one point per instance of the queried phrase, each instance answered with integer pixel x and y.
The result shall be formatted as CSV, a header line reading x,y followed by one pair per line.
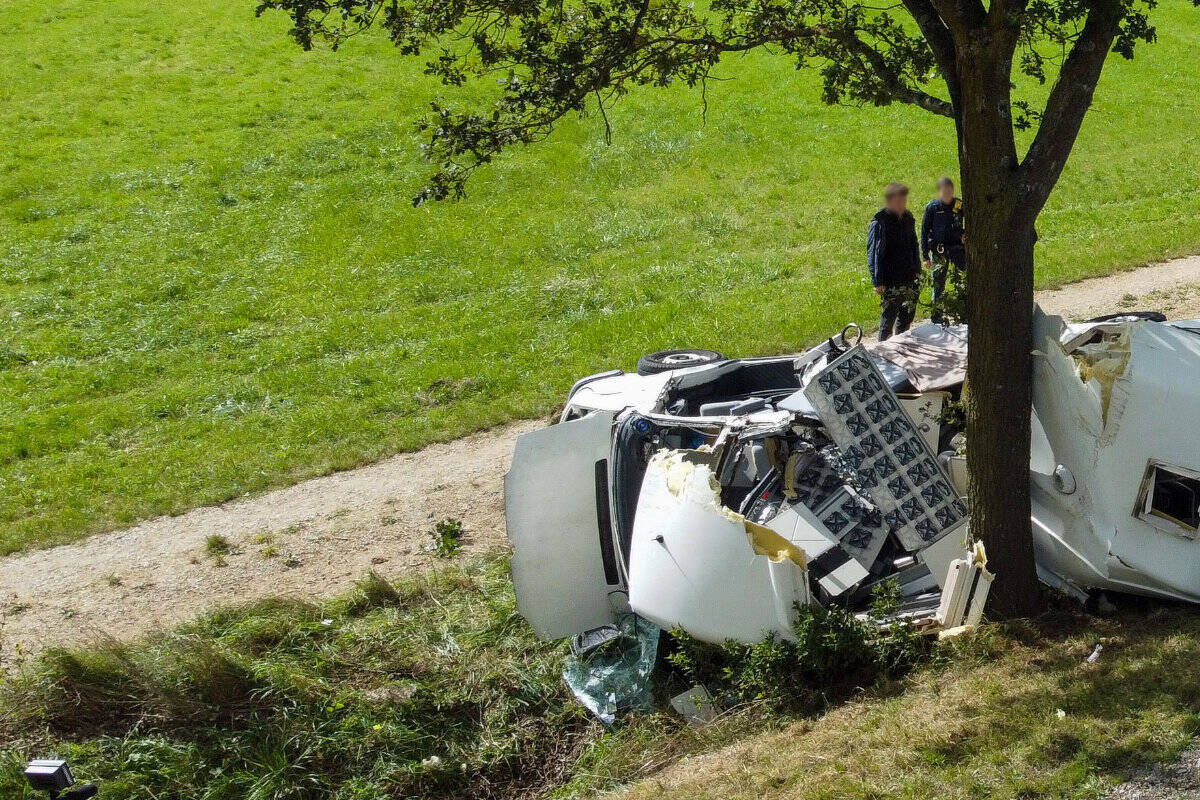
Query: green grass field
x,y
212,280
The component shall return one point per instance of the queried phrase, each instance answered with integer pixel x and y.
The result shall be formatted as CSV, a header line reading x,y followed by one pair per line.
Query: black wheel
x,y
666,360
1130,316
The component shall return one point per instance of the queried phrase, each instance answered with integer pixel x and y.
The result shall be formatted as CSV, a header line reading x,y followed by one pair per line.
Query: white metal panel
x,y
551,511
1151,419
618,392
1091,537
692,565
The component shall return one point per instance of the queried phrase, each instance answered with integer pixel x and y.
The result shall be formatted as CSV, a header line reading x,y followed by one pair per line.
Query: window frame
x,y
1144,510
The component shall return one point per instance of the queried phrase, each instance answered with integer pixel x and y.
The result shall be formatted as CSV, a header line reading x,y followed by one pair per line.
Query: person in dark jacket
x,y
894,262
942,241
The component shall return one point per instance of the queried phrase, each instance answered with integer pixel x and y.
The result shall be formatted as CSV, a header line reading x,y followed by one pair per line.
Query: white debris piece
x,y
696,706
967,584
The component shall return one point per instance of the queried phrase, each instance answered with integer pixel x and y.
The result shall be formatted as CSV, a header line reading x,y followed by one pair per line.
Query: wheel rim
x,y
682,358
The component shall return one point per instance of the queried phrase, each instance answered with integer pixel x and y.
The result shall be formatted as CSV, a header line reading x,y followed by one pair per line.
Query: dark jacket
x,y
942,225
892,249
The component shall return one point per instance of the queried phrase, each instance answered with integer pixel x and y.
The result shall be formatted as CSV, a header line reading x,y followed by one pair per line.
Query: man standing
x,y
942,236
893,261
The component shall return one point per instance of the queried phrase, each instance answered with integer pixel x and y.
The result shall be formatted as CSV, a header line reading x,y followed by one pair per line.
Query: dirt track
x,y
308,540
317,537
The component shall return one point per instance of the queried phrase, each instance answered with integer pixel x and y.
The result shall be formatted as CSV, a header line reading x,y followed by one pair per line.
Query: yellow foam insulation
x,y
979,554
678,473
767,542
1104,365
949,633
789,476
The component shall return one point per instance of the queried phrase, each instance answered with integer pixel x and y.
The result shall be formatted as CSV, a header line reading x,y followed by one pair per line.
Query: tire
x,y
667,360
1130,316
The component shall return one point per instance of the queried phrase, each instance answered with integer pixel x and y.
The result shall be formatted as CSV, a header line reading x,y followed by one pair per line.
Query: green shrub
x,y
834,653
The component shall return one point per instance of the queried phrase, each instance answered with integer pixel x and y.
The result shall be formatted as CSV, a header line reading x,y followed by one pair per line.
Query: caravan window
x,y
1170,499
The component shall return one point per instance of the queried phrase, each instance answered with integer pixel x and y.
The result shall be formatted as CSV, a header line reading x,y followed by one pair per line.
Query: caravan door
x,y
556,506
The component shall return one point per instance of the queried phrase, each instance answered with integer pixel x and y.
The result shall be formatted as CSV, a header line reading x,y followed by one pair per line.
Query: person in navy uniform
x,y
894,262
942,241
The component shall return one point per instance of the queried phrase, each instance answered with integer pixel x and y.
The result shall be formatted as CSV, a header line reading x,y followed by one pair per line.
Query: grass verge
x,y
431,688
1013,712
212,280
436,688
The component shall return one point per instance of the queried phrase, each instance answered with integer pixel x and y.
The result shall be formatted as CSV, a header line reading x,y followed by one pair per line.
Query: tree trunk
x,y
1000,315
999,377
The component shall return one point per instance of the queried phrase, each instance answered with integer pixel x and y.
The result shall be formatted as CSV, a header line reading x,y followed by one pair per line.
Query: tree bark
x,y
1000,314
999,377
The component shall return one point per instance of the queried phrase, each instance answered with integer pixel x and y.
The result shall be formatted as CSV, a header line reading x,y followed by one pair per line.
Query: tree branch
x,y
940,42
891,81
1068,103
894,83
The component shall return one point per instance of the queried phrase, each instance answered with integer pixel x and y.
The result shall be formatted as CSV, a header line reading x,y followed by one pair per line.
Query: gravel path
x,y
1178,781
315,538
309,540
1163,285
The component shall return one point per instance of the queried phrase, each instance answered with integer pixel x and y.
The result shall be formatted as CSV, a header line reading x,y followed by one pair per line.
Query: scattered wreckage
x,y
718,495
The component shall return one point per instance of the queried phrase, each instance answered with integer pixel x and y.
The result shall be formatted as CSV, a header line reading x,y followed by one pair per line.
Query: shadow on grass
x,y
1013,711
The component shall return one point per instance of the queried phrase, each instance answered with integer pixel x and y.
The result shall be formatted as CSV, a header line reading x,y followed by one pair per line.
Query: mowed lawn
x,y
212,280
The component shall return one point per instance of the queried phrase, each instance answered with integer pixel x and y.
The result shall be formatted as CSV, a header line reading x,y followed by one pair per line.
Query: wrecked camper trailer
x,y
718,495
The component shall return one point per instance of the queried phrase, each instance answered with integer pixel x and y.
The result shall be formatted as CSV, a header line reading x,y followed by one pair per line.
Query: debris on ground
x,y
609,670
696,706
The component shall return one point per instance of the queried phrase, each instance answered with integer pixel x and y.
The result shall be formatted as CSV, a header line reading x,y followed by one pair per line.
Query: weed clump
x,y
371,592
447,537
217,545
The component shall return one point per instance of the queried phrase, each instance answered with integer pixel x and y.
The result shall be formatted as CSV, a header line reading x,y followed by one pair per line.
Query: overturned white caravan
x,y
718,495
